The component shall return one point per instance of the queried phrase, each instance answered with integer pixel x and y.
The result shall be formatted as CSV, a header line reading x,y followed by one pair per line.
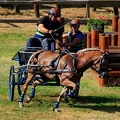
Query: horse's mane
x,y
87,50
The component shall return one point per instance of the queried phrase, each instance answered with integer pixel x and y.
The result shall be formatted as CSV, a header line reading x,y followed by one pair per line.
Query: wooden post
x,y
17,8
115,23
114,39
36,10
118,32
116,12
104,42
88,40
94,9
109,37
102,82
100,34
94,38
85,40
87,10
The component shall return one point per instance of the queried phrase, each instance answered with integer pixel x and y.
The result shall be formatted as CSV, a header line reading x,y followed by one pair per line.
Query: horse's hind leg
x,y
32,94
24,88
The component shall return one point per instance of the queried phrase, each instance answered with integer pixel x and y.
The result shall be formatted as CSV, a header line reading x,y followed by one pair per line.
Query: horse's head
x,y
101,64
94,58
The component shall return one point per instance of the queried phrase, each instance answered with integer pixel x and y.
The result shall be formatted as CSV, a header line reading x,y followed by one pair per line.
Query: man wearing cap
x,y
75,38
46,26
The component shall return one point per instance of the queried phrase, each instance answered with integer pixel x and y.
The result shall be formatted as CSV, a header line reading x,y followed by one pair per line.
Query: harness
x,y
103,69
54,63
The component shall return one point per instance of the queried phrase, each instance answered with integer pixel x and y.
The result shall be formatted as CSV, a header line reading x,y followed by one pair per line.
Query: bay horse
x,y
69,69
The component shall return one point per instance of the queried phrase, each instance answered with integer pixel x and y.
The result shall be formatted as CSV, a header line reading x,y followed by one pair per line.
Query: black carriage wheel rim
x,y
11,83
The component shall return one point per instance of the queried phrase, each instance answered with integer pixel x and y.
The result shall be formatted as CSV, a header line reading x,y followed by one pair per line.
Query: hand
x,y
50,32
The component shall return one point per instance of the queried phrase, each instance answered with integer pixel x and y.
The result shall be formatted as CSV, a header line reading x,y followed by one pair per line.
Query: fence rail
x,y
62,2
36,3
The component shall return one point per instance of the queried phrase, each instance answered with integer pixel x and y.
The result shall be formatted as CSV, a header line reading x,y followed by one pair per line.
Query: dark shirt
x,y
50,25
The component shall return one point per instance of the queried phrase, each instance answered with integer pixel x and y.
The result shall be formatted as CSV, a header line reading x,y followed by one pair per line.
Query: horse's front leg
x,y
24,88
56,105
71,84
78,89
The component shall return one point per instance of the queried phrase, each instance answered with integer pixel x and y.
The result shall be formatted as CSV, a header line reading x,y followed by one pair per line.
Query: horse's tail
x,y
34,57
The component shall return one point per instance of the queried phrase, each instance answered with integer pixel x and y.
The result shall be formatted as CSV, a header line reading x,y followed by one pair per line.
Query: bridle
x,y
103,67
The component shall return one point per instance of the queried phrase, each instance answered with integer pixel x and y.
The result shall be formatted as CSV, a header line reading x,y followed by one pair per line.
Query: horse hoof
x,y
28,99
21,104
56,110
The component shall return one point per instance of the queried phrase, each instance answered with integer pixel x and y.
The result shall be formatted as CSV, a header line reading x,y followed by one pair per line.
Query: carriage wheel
x,y
11,83
118,81
112,81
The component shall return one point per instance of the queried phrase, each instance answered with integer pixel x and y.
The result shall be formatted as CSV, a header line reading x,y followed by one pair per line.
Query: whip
x,y
62,26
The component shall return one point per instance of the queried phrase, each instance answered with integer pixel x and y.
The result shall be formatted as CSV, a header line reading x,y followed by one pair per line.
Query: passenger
x,y
75,38
46,27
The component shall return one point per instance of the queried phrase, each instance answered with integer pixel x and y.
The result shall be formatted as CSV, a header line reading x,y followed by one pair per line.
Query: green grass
x,y
94,102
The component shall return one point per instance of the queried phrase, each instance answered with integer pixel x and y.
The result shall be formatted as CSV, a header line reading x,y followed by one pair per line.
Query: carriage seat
x,y
34,42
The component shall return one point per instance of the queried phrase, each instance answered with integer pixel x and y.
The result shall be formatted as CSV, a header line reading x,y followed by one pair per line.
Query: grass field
x,y
94,102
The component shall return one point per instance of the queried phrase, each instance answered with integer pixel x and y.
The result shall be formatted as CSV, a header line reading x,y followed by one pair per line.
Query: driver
x,y
45,28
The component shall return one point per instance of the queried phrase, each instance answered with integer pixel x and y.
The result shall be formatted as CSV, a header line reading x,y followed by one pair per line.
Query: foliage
x,y
99,22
